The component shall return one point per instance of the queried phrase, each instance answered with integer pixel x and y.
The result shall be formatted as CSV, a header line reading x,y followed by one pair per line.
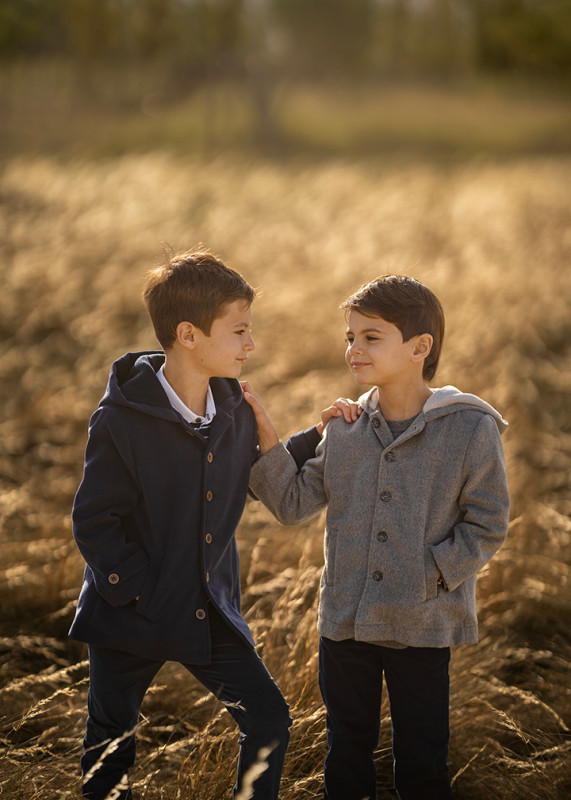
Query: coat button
x,y
208,538
377,575
375,422
209,495
386,496
210,458
390,456
382,536
113,578
200,613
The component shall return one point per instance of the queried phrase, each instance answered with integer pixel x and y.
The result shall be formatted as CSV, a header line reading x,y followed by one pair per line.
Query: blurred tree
x,y
92,27
207,35
150,27
533,36
326,36
30,28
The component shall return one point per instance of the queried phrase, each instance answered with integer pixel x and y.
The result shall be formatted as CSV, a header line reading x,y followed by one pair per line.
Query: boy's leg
x,y
117,684
418,688
238,677
351,680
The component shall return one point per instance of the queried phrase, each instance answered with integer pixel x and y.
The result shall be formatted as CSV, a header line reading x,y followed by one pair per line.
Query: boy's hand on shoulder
x,y
342,407
267,434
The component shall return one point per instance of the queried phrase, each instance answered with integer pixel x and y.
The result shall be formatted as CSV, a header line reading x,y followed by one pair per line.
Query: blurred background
x,y
318,76
312,145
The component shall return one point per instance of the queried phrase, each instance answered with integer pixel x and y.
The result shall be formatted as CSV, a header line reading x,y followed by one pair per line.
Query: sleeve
x,y
484,506
291,495
303,445
107,496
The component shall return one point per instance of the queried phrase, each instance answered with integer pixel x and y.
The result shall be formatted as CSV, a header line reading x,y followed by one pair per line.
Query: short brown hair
x,y
406,303
191,287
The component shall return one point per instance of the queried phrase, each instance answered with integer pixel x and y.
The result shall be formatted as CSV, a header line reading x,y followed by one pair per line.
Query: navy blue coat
x,y
155,517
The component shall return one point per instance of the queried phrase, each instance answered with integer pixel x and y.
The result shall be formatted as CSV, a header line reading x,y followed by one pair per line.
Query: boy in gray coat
x,y
417,503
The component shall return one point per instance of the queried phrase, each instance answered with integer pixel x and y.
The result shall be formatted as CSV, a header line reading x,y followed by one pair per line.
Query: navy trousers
x,y
236,675
351,678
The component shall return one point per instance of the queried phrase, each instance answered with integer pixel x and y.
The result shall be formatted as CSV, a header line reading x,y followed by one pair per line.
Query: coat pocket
x,y
431,577
330,553
145,605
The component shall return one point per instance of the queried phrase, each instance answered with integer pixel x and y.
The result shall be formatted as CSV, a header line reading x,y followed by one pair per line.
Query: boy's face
x,y
224,352
376,353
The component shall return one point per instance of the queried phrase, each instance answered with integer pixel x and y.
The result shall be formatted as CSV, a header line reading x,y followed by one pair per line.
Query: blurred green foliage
x,y
199,38
103,77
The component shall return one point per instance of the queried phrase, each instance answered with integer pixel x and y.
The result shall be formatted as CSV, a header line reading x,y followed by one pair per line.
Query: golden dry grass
x,y
492,239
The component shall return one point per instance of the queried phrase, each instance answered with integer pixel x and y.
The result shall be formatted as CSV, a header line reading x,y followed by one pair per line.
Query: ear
x,y
186,334
422,347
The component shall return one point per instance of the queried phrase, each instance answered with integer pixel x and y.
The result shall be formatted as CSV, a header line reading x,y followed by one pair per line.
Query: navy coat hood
x,y
132,383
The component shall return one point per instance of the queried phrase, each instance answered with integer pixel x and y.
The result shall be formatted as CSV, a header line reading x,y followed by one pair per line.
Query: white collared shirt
x,y
186,413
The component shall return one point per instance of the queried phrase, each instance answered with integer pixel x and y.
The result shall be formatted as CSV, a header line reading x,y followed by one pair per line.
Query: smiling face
x,y
223,353
376,353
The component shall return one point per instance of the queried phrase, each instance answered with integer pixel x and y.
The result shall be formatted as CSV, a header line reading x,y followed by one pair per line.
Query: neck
x,y
189,385
402,402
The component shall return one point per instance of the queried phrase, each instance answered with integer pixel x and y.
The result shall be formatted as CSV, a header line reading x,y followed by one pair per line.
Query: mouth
x,y
358,364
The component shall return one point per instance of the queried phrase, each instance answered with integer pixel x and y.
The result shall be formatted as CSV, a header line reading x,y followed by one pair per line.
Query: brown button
x,y
377,575
200,613
210,458
208,538
113,578
207,577
209,495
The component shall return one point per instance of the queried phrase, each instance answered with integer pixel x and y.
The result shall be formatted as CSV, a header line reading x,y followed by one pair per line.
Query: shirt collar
x,y
186,413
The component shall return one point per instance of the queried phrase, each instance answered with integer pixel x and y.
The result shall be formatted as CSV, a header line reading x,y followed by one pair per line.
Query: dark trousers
x,y
350,678
236,675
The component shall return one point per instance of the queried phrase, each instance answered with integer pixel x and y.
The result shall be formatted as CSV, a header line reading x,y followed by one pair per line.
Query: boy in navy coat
x,y
166,477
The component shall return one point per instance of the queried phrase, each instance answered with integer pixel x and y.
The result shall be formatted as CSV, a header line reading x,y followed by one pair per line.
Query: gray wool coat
x,y
398,510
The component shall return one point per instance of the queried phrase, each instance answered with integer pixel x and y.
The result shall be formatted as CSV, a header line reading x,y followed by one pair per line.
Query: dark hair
x,y
406,303
191,287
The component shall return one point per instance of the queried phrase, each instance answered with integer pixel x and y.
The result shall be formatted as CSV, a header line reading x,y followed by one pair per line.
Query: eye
x,y
349,339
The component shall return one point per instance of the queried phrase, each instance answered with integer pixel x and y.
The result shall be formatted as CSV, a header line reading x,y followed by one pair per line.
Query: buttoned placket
x,y
208,537
210,495
381,533
385,497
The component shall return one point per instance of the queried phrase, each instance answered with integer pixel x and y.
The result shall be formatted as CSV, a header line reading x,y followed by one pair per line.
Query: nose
x,y
354,348
249,344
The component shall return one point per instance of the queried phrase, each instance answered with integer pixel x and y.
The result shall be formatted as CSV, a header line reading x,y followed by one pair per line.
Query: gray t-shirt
x,y
398,426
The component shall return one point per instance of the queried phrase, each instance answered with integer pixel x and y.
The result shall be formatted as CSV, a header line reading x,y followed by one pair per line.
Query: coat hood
x,y
133,382
443,401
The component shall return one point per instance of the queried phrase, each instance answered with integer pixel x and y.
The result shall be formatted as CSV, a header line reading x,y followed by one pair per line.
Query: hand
x,y
342,407
267,434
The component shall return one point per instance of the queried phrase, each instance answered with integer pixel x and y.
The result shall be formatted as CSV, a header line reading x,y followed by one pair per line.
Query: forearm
x,y
290,495
267,435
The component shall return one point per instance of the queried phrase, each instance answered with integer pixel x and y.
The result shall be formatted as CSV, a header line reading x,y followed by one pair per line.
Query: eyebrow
x,y
367,330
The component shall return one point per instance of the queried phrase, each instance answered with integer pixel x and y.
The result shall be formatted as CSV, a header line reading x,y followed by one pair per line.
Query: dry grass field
x,y
491,238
